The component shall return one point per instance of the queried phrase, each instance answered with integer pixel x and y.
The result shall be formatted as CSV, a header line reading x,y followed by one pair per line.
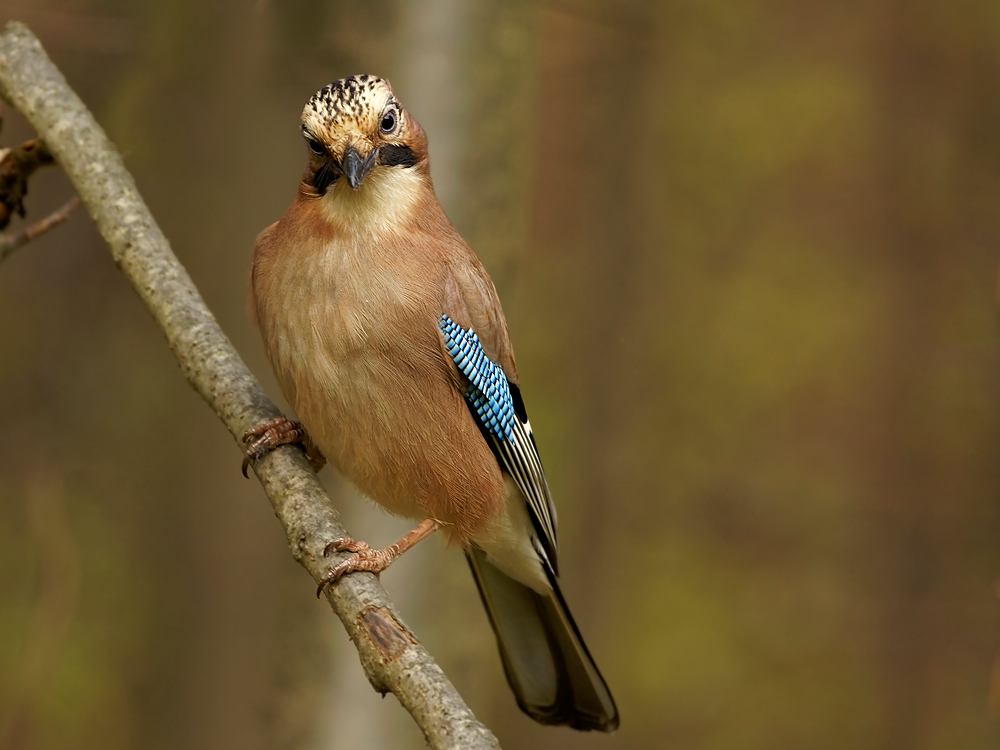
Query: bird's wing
x,y
498,409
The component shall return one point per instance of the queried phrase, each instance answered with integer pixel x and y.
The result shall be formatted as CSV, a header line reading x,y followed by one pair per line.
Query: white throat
x,y
385,203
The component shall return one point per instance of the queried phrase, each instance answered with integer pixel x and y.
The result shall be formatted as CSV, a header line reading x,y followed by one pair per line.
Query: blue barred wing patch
x,y
488,393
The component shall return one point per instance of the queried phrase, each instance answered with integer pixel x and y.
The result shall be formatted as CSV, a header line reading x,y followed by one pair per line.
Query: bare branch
x,y
392,658
11,242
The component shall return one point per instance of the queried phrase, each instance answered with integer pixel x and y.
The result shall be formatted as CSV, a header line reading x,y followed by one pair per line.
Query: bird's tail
x,y
547,663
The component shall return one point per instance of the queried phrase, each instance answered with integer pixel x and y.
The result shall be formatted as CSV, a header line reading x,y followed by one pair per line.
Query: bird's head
x,y
354,127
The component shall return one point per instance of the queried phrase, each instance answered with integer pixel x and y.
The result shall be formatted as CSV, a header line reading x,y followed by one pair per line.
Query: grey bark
x,y
392,658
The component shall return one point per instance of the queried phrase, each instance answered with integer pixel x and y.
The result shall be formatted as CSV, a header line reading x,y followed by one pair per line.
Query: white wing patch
x,y
519,457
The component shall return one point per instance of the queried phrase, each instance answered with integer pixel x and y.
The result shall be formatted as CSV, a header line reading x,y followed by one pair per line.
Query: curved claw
x,y
265,437
331,578
364,558
345,544
255,451
366,561
357,558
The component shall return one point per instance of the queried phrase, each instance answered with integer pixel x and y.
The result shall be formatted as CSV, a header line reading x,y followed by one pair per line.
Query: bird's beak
x,y
356,168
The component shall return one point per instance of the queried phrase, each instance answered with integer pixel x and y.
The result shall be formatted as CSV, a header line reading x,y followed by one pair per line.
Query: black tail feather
x,y
548,666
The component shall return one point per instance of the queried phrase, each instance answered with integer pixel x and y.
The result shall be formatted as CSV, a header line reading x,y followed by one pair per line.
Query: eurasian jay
x,y
387,338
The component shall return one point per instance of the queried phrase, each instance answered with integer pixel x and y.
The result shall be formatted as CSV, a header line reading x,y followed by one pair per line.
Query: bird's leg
x,y
265,437
371,560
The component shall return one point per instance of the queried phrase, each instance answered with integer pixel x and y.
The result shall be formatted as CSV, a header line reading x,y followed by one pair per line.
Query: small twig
x,y
9,242
16,166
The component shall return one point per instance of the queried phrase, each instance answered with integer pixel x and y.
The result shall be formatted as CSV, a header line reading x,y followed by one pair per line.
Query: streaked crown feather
x,y
357,101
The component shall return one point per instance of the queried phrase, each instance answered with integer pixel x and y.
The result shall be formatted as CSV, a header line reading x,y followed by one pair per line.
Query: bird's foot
x,y
364,558
265,437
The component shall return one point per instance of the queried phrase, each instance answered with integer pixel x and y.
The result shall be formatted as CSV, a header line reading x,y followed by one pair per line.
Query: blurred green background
x,y
748,253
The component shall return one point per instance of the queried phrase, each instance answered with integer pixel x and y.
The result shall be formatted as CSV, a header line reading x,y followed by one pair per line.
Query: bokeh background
x,y
748,251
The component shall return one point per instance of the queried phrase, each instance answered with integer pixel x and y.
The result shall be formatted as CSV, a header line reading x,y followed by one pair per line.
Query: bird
x,y
387,338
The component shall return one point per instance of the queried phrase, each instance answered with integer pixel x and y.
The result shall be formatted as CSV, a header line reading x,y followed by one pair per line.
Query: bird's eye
x,y
316,147
388,123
